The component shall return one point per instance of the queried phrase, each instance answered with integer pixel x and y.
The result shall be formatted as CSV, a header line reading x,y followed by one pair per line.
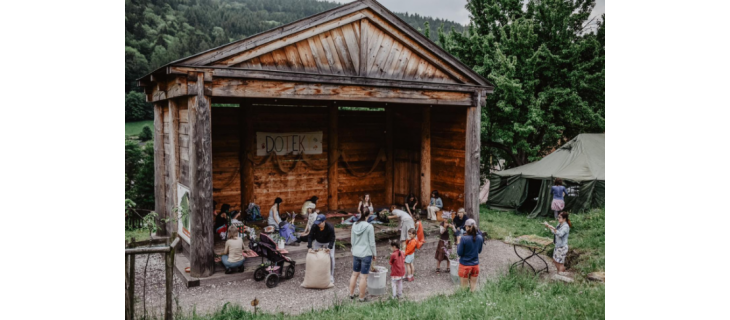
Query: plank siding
x,y
447,155
407,152
226,163
361,137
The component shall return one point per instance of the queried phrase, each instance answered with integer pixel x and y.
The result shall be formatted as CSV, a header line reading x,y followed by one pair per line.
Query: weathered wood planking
x,y
389,154
173,167
246,137
297,186
226,87
184,144
201,187
362,136
426,155
472,150
447,155
332,157
159,157
226,157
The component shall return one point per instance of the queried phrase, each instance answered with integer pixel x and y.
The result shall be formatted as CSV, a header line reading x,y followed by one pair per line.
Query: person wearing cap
x,y
468,250
322,235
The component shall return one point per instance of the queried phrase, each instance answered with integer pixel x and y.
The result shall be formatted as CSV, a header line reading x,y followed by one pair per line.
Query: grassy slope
x,y
514,296
135,128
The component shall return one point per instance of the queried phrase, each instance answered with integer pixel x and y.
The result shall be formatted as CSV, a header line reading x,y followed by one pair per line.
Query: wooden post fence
x,y
169,251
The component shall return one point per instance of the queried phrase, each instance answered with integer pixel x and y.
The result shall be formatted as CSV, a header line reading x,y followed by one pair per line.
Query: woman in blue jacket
x,y
468,250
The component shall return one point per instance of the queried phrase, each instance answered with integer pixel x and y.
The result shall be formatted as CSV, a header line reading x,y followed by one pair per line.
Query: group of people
x,y
320,234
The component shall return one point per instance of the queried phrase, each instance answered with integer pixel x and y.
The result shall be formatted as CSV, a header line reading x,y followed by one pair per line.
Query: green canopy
x,y
581,165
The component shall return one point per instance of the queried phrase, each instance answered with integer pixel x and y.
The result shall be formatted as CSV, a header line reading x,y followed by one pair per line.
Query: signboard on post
x,y
286,143
183,212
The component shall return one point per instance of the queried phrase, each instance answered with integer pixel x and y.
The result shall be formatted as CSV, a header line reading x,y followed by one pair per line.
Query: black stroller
x,y
274,270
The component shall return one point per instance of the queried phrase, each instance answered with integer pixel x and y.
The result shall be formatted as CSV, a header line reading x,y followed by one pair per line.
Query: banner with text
x,y
286,143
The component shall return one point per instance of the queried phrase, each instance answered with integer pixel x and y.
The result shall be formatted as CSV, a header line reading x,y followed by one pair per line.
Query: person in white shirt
x,y
406,223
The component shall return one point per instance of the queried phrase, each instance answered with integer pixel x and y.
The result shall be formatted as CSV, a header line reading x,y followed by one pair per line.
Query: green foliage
x,y
135,128
549,73
132,162
427,30
146,134
136,108
143,187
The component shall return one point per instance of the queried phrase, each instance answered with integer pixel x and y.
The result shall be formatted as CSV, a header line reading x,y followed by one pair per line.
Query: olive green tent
x,y
580,163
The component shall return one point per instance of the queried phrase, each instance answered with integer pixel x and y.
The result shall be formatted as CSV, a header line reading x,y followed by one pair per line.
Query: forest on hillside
x,y
160,31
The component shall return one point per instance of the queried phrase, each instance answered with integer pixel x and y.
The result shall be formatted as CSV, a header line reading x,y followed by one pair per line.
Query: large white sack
x,y
317,272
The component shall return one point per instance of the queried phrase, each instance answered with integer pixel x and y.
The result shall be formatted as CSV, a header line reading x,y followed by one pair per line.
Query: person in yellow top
x,y
233,253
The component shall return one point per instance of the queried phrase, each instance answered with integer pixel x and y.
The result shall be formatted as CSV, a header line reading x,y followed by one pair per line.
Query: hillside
x,y
160,31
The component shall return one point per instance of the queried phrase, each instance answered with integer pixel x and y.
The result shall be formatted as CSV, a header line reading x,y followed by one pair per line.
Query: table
x,y
535,244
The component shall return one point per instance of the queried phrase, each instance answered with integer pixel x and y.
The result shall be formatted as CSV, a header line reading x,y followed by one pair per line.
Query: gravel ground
x,y
289,297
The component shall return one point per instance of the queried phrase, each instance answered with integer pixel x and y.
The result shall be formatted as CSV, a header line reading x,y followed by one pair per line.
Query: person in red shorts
x,y
468,250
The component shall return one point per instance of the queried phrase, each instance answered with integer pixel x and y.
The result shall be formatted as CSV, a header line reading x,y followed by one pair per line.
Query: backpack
x,y
253,213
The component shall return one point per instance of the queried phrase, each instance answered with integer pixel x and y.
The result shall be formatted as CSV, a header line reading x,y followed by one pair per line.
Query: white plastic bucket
x,y
377,280
454,265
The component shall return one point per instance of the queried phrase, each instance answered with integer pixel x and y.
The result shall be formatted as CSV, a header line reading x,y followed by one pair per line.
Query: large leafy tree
x,y
546,59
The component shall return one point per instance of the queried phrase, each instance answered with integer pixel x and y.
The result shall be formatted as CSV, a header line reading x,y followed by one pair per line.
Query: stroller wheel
x,y
259,274
272,280
289,272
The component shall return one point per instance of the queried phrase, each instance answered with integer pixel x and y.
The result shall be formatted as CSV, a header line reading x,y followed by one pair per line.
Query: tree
x,y
144,179
132,161
136,108
146,134
548,72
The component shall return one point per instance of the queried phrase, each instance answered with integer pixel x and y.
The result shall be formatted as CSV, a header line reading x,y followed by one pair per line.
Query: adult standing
x,y
274,218
468,250
560,238
323,236
411,204
362,238
558,192
406,223
434,205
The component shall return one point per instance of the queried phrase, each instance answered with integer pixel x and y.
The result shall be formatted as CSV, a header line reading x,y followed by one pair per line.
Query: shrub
x,y
136,108
146,134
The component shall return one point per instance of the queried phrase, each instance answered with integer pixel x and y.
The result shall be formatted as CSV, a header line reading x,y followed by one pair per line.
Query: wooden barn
x,y
271,116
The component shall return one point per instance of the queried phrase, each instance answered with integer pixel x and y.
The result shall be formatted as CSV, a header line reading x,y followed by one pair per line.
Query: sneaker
x,y
363,299
228,270
240,269
352,297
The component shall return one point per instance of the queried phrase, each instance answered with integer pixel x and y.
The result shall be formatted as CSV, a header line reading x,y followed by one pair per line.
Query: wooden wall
x,y
448,142
362,136
184,142
226,164
407,152
302,183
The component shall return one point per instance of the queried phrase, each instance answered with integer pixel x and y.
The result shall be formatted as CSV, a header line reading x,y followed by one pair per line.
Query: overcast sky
x,y
446,9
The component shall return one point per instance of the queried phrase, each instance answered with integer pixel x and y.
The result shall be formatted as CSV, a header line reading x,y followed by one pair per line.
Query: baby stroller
x,y
272,272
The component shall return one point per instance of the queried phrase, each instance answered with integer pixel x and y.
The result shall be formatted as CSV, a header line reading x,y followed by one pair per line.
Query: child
x,y
397,269
411,244
444,244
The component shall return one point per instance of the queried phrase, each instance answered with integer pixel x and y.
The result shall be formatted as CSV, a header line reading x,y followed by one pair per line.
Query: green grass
x,y
587,236
516,295
135,128
138,234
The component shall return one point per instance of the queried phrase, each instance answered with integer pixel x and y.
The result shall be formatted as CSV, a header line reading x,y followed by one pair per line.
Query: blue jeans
x,y
231,265
361,265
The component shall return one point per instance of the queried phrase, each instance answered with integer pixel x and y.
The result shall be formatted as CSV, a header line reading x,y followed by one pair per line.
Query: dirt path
x,y
290,298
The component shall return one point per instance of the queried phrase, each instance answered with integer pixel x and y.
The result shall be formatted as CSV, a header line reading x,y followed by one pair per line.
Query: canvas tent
x,y
581,165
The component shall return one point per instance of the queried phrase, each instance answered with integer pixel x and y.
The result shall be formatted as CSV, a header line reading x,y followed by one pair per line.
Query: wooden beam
x,y
426,156
225,87
247,136
471,162
389,154
223,72
159,156
172,162
364,29
201,184
333,152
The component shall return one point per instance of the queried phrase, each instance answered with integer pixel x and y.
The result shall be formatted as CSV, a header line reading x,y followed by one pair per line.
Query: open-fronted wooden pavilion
x,y
287,134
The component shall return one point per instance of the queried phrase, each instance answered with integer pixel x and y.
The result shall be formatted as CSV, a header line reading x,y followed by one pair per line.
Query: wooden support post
x,y
169,265
471,162
389,154
159,168
247,136
130,289
172,162
426,156
201,182
333,152
364,29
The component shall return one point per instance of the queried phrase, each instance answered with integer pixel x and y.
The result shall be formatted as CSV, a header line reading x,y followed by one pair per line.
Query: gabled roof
x,y
335,42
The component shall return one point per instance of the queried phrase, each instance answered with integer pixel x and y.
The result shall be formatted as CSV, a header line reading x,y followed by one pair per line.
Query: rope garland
x,y
273,157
